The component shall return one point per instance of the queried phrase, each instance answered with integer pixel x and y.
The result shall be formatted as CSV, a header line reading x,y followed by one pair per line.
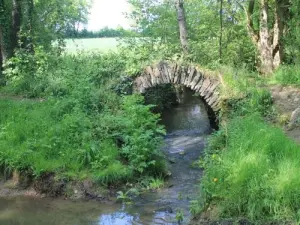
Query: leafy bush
x,y
255,100
47,73
255,174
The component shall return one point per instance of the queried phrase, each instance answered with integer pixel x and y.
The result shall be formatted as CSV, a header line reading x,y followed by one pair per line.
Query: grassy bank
x,y
78,123
252,171
251,167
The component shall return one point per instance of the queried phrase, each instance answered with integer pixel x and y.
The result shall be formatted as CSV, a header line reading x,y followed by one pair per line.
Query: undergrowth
x,y
79,127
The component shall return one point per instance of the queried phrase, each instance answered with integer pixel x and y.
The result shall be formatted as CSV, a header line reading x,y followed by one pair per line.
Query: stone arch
x,y
205,83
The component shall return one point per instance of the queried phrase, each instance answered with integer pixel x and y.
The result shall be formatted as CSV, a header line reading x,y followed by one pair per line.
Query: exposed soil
x,y
286,100
49,186
9,189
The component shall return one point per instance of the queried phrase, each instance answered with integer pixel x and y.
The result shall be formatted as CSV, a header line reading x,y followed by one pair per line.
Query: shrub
x,y
48,73
254,101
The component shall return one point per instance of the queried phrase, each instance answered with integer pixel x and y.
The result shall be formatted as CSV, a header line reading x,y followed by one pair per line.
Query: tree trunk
x,y
221,31
280,14
27,39
16,23
6,51
266,39
1,66
182,26
1,54
264,45
276,41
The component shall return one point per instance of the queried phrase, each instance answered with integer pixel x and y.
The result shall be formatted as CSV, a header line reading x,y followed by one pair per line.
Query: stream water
x,y
187,127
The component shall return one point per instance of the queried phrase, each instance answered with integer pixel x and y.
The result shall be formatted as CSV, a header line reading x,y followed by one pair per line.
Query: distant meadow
x,y
91,44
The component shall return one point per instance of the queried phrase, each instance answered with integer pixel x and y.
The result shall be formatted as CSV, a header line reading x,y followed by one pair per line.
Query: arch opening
x,y
166,97
203,83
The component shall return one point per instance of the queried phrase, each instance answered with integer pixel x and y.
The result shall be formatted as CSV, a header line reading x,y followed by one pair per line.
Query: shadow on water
x,y
187,127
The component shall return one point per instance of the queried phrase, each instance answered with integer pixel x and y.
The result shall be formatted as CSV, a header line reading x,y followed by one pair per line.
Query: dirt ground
x,y
286,100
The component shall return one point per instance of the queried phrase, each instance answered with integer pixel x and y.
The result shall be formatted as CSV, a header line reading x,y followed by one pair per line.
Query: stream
x,y
187,128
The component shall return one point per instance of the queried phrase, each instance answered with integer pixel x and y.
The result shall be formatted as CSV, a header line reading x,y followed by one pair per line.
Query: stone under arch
x,y
205,83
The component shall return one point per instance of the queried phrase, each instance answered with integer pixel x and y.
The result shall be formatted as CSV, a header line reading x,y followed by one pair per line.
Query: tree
x,y
16,23
27,23
292,38
268,37
221,30
182,26
5,50
4,32
28,33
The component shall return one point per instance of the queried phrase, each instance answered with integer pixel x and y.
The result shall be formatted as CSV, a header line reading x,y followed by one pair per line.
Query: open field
x,y
91,44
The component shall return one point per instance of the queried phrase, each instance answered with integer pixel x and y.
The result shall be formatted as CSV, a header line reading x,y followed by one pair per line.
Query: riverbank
x,y
49,186
77,134
187,128
251,164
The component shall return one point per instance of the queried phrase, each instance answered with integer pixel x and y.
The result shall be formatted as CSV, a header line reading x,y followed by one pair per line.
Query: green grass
x,y
253,171
82,127
287,75
92,44
57,136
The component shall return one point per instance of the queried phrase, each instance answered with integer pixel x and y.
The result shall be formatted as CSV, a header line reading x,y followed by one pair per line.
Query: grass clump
x,y
287,75
252,171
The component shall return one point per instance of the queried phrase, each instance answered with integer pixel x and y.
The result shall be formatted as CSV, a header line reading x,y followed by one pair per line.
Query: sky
x,y
108,13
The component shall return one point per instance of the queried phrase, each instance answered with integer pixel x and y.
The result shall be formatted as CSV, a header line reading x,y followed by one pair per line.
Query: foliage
x,y
41,22
257,100
156,21
127,196
123,197
179,216
152,183
55,17
83,128
102,33
292,39
48,73
139,52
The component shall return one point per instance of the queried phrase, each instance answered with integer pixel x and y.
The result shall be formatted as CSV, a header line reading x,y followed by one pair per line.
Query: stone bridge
x,y
199,80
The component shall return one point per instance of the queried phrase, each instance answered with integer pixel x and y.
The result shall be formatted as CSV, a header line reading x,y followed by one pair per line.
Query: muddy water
x,y
187,126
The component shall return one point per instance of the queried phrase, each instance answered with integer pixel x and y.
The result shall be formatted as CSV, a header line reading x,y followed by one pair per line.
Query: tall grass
x,y
253,171
287,75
